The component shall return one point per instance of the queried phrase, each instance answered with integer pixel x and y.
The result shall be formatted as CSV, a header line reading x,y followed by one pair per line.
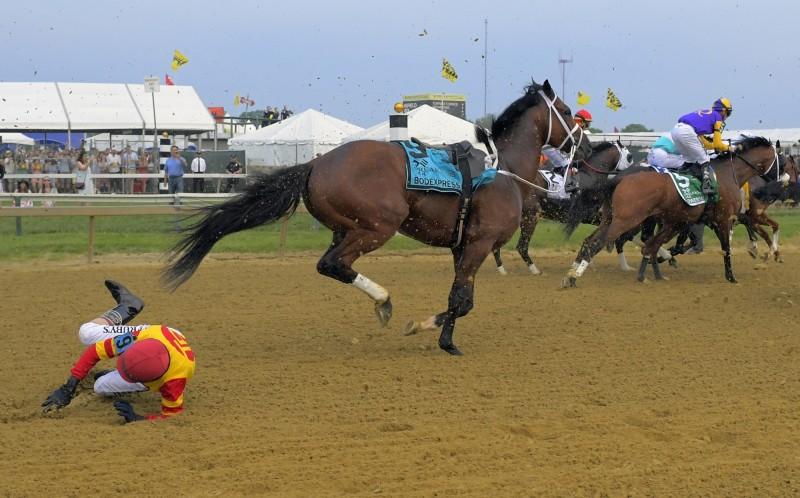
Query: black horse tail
x,y
270,198
482,135
585,205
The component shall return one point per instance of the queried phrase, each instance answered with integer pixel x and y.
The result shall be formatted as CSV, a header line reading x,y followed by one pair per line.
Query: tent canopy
x,y
295,140
16,138
309,126
100,107
427,124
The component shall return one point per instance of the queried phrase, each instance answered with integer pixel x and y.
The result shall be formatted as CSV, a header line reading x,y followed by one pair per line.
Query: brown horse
x,y
607,157
764,191
644,193
359,191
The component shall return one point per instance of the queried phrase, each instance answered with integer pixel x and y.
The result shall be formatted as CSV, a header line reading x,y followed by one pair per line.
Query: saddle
x,y
461,151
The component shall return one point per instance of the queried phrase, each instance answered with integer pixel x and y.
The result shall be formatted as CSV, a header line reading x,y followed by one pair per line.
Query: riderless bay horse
x,y
644,193
607,157
358,190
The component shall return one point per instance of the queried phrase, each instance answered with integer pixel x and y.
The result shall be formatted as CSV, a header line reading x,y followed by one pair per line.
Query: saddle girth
x,y
460,158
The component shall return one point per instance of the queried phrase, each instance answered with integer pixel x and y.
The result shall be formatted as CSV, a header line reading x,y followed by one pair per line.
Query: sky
x,y
355,59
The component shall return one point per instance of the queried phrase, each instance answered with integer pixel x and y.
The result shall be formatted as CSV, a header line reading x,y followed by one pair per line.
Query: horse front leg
x,y
498,262
722,229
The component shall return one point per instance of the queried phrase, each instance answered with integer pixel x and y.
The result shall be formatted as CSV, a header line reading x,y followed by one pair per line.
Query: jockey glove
x,y
61,396
125,410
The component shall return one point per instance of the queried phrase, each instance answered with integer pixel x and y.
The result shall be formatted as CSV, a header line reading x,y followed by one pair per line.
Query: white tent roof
x,y
99,106
307,127
427,124
16,138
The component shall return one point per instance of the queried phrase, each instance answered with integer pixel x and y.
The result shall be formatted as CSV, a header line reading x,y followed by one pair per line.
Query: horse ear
x,y
777,144
548,90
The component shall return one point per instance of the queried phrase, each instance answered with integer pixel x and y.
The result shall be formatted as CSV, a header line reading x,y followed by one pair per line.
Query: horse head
x,y
790,167
540,114
756,152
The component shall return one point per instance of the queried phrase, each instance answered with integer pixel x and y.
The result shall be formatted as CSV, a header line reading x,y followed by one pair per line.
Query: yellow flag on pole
x,y
178,60
448,71
583,99
612,102
236,100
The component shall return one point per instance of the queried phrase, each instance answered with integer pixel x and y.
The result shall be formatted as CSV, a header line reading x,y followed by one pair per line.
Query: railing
x,y
132,176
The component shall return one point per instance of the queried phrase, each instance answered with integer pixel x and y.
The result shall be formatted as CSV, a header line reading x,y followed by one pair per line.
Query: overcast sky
x,y
354,59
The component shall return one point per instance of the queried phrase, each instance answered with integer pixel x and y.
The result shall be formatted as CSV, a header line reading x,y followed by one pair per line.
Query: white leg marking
x,y
502,270
623,262
532,268
581,268
373,290
663,253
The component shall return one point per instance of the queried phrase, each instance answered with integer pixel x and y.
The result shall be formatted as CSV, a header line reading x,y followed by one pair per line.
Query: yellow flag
x,y
448,71
583,99
236,101
612,102
178,59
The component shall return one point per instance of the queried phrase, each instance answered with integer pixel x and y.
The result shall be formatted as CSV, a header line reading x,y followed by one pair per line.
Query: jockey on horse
x,y
558,161
689,137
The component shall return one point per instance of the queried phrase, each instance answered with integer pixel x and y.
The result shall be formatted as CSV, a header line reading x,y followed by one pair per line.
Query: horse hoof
x,y
753,253
502,270
411,328
384,312
765,257
731,279
451,349
779,259
673,262
662,277
569,282
626,268
641,278
534,270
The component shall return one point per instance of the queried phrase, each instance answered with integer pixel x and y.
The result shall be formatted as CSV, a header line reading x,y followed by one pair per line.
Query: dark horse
x,y
358,190
607,157
644,193
765,190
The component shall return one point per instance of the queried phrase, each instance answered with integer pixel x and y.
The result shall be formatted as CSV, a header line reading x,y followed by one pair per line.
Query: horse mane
x,y
509,117
598,148
746,143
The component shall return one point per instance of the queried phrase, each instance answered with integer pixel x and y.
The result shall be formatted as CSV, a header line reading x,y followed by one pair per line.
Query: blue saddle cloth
x,y
433,169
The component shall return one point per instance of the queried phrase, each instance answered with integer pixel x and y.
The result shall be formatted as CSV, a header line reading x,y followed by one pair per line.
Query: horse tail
x,y
585,204
482,135
270,198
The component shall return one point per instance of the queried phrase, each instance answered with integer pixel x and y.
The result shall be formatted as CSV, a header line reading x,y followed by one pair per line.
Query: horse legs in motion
x,y
527,226
754,221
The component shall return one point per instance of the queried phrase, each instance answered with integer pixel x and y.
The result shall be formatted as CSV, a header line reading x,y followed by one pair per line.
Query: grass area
x,y
57,237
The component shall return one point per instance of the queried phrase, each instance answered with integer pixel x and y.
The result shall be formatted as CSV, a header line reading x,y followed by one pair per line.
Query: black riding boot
x,y
128,304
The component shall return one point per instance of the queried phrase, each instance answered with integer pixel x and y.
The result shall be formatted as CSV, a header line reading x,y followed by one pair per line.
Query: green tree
x,y
635,127
595,130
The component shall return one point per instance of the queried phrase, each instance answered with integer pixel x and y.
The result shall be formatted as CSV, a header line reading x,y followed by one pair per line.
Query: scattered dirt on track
x,y
683,388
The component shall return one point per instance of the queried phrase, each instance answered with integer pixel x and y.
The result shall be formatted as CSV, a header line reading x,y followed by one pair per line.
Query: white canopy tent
x,y
427,124
16,138
100,107
295,140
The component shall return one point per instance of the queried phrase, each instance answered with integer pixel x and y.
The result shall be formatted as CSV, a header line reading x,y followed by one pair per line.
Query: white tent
x,y
100,107
295,140
16,138
427,124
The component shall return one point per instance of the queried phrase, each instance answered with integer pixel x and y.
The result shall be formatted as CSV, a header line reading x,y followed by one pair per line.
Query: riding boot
x,y
128,304
706,179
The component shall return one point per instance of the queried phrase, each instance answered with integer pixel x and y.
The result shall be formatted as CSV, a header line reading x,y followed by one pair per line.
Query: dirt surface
x,y
682,388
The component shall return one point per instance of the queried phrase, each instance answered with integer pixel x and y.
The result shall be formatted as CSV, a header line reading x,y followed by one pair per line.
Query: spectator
x,y
140,185
50,164
83,175
128,160
36,169
64,165
9,167
285,113
2,176
115,168
103,184
173,171
23,187
233,168
198,166
48,187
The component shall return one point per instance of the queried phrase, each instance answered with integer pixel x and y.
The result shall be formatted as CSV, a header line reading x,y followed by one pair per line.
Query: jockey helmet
x,y
145,361
723,103
584,116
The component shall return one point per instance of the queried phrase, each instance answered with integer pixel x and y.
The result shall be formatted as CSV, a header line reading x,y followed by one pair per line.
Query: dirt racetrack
x,y
683,388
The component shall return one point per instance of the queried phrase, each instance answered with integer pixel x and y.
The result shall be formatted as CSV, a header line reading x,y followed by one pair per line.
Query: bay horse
x,y
606,158
358,190
643,193
764,191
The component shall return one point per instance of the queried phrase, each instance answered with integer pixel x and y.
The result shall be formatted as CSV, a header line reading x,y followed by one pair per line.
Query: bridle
x,y
551,110
622,160
753,166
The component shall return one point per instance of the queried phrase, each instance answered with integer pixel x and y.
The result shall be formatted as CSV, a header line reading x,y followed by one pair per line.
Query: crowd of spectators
x,y
275,115
86,165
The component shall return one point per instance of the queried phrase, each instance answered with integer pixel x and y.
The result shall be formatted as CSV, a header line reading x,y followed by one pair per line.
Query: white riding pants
x,y
663,159
110,383
685,139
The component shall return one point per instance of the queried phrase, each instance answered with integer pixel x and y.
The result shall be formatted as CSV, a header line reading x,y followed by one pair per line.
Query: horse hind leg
x,y
336,263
